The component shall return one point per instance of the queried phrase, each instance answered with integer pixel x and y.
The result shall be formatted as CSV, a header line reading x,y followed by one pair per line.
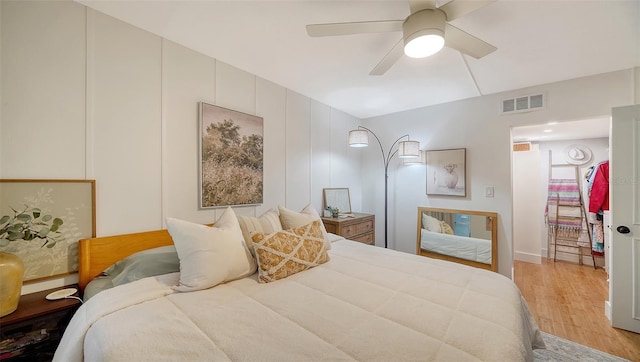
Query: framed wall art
x,y
231,158
41,221
446,173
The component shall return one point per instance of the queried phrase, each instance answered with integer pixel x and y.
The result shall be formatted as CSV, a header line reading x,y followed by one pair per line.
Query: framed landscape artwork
x,y
446,174
231,158
41,222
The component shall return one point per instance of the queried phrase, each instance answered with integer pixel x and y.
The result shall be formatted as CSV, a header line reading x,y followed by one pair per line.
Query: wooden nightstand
x,y
33,331
360,227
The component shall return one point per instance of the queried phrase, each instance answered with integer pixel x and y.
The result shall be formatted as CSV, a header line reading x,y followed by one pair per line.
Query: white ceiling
x,y
560,131
538,42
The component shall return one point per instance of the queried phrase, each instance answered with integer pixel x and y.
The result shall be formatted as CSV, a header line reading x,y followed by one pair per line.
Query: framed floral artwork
x,y
446,172
41,222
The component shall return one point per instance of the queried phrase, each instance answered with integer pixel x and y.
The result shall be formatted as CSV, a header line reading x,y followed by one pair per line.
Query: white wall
x,y
476,125
42,125
637,85
85,96
527,206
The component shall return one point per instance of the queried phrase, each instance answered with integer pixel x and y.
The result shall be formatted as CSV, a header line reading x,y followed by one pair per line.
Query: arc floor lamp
x,y
405,149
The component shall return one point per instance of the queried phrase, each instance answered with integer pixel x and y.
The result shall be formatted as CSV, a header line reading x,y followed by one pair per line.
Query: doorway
x,y
583,143
545,144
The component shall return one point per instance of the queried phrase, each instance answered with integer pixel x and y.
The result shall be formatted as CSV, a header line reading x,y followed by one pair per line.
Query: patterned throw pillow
x,y
446,228
290,251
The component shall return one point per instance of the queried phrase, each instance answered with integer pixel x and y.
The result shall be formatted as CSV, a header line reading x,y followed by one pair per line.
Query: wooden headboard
x,y
96,254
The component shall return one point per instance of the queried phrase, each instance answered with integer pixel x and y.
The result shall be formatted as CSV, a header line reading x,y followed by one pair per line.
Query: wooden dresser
x,y
358,227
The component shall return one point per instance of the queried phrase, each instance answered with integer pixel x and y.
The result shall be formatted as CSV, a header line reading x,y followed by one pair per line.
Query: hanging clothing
x,y
599,197
588,177
598,186
597,246
593,171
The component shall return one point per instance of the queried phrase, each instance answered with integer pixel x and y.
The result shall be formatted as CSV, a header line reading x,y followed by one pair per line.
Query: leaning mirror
x,y
463,236
337,198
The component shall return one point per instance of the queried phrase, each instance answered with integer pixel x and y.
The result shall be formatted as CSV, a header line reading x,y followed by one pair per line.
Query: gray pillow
x,y
95,286
146,263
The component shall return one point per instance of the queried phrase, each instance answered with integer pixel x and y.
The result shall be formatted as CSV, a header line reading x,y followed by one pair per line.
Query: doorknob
x,y
623,229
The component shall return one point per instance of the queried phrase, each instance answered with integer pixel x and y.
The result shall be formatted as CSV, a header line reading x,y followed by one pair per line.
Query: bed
x,y
463,247
363,303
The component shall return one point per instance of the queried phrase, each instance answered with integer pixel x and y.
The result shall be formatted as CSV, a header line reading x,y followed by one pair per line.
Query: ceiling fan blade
x,y
390,59
466,43
417,5
332,29
457,8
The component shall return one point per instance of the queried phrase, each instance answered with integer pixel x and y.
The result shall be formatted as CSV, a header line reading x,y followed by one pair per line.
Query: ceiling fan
x,y
424,32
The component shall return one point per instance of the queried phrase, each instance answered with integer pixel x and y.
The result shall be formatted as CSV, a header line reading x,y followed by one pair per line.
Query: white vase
x,y
451,179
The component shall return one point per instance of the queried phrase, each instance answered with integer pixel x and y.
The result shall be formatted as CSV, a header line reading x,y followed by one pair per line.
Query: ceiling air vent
x,y
527,103
522,146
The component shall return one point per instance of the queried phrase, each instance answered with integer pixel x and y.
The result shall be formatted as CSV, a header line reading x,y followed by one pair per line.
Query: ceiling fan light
x,y
424,46
423,33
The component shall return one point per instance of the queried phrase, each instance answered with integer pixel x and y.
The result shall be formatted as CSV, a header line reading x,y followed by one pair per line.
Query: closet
x,y
530,171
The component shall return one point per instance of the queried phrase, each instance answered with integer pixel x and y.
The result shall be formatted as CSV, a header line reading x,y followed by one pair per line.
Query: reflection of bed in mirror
x,y
458,246
464,236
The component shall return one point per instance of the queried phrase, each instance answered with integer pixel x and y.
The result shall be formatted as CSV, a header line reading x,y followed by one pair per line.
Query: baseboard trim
x,y
527,257
607,309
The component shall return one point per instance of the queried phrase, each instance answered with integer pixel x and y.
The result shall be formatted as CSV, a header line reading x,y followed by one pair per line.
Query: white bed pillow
x,y
431,223
291,219
268,222
210,255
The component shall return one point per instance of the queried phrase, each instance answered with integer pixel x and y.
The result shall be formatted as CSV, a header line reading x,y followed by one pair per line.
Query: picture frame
x,y
337,198
41,222
231,165
446,172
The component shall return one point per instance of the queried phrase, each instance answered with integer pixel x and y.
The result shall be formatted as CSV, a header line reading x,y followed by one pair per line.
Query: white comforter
x,y
366,303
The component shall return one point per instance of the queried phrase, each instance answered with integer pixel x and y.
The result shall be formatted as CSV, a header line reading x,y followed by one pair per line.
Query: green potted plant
x,y
26,225
335,212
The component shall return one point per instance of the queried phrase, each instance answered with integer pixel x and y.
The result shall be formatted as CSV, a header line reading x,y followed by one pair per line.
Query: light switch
x,y
488,192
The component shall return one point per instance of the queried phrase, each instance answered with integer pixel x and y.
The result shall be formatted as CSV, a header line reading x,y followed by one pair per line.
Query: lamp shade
x,y
408,149
358,138
423,33
415,160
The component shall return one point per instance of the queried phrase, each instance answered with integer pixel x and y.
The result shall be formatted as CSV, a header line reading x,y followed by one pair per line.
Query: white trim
x,y
89,122
527,257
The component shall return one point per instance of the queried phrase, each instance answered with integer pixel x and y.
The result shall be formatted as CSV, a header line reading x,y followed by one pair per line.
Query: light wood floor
x,y
567,300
